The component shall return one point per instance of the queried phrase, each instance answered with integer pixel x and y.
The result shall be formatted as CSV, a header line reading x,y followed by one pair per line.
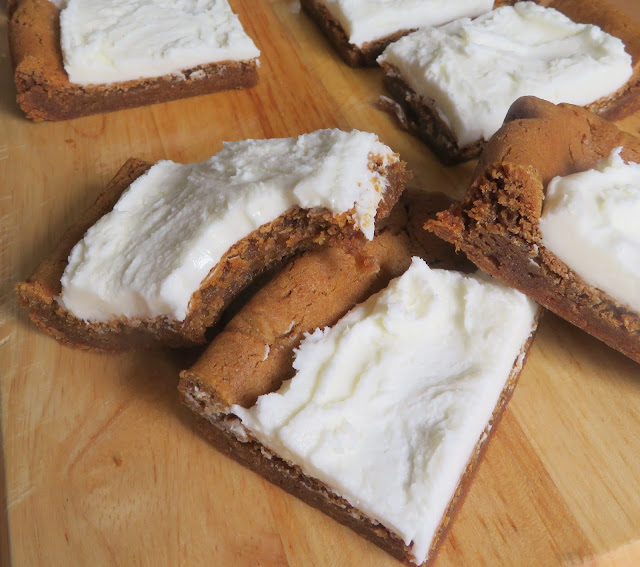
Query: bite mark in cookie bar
x,y
180,242
216,382
360,30
497,225
45,91
456,83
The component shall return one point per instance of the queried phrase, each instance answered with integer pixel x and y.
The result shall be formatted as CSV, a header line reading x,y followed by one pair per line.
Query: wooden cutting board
x,y
102,466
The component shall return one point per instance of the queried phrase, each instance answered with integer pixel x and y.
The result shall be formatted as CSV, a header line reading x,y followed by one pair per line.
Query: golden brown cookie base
x,y
44,90
420,117
366,55
497,223
260,251
278,316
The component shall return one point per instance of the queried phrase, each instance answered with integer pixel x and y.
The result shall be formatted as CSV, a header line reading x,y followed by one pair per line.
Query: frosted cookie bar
x,y
362,422
552,211
166,247
77,57
360,29
454,84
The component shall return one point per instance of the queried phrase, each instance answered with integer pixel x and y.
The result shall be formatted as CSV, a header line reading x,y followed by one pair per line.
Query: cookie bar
x,y
167,247
511,52
498,223
46,92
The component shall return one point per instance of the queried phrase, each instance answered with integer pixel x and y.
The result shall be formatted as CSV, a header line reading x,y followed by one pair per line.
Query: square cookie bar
x,y
79,57
371,416
453,85
572,250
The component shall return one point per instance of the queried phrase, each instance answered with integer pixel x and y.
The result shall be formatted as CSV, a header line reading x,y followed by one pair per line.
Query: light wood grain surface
x,y
102,465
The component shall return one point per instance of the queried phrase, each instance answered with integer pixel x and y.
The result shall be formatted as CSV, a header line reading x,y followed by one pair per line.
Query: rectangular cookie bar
x,y
250,368
45,91
498,224
510,52
166,247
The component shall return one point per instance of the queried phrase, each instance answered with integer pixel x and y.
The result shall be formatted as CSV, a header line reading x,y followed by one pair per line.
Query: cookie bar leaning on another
x,y
315,290
166,247
360,30
553,211
77,57
376,421
452,86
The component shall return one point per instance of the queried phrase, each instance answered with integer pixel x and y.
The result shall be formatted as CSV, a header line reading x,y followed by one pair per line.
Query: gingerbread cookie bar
x,y
499,224
511,52
75,60
167,247
233,397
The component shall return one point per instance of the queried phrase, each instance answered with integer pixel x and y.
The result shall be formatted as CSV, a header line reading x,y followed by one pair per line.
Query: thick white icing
x,y
173,224
590,222
369,20
388,405
107,41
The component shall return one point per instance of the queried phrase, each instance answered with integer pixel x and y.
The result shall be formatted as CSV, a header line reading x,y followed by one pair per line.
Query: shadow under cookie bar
x,y
497,223
263,249
365,55
315,290
44,90
419,115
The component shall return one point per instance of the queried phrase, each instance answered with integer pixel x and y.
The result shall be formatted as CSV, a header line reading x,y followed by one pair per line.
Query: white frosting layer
x,y
369,20
107,41
388,405
590,222
173,224
475,69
